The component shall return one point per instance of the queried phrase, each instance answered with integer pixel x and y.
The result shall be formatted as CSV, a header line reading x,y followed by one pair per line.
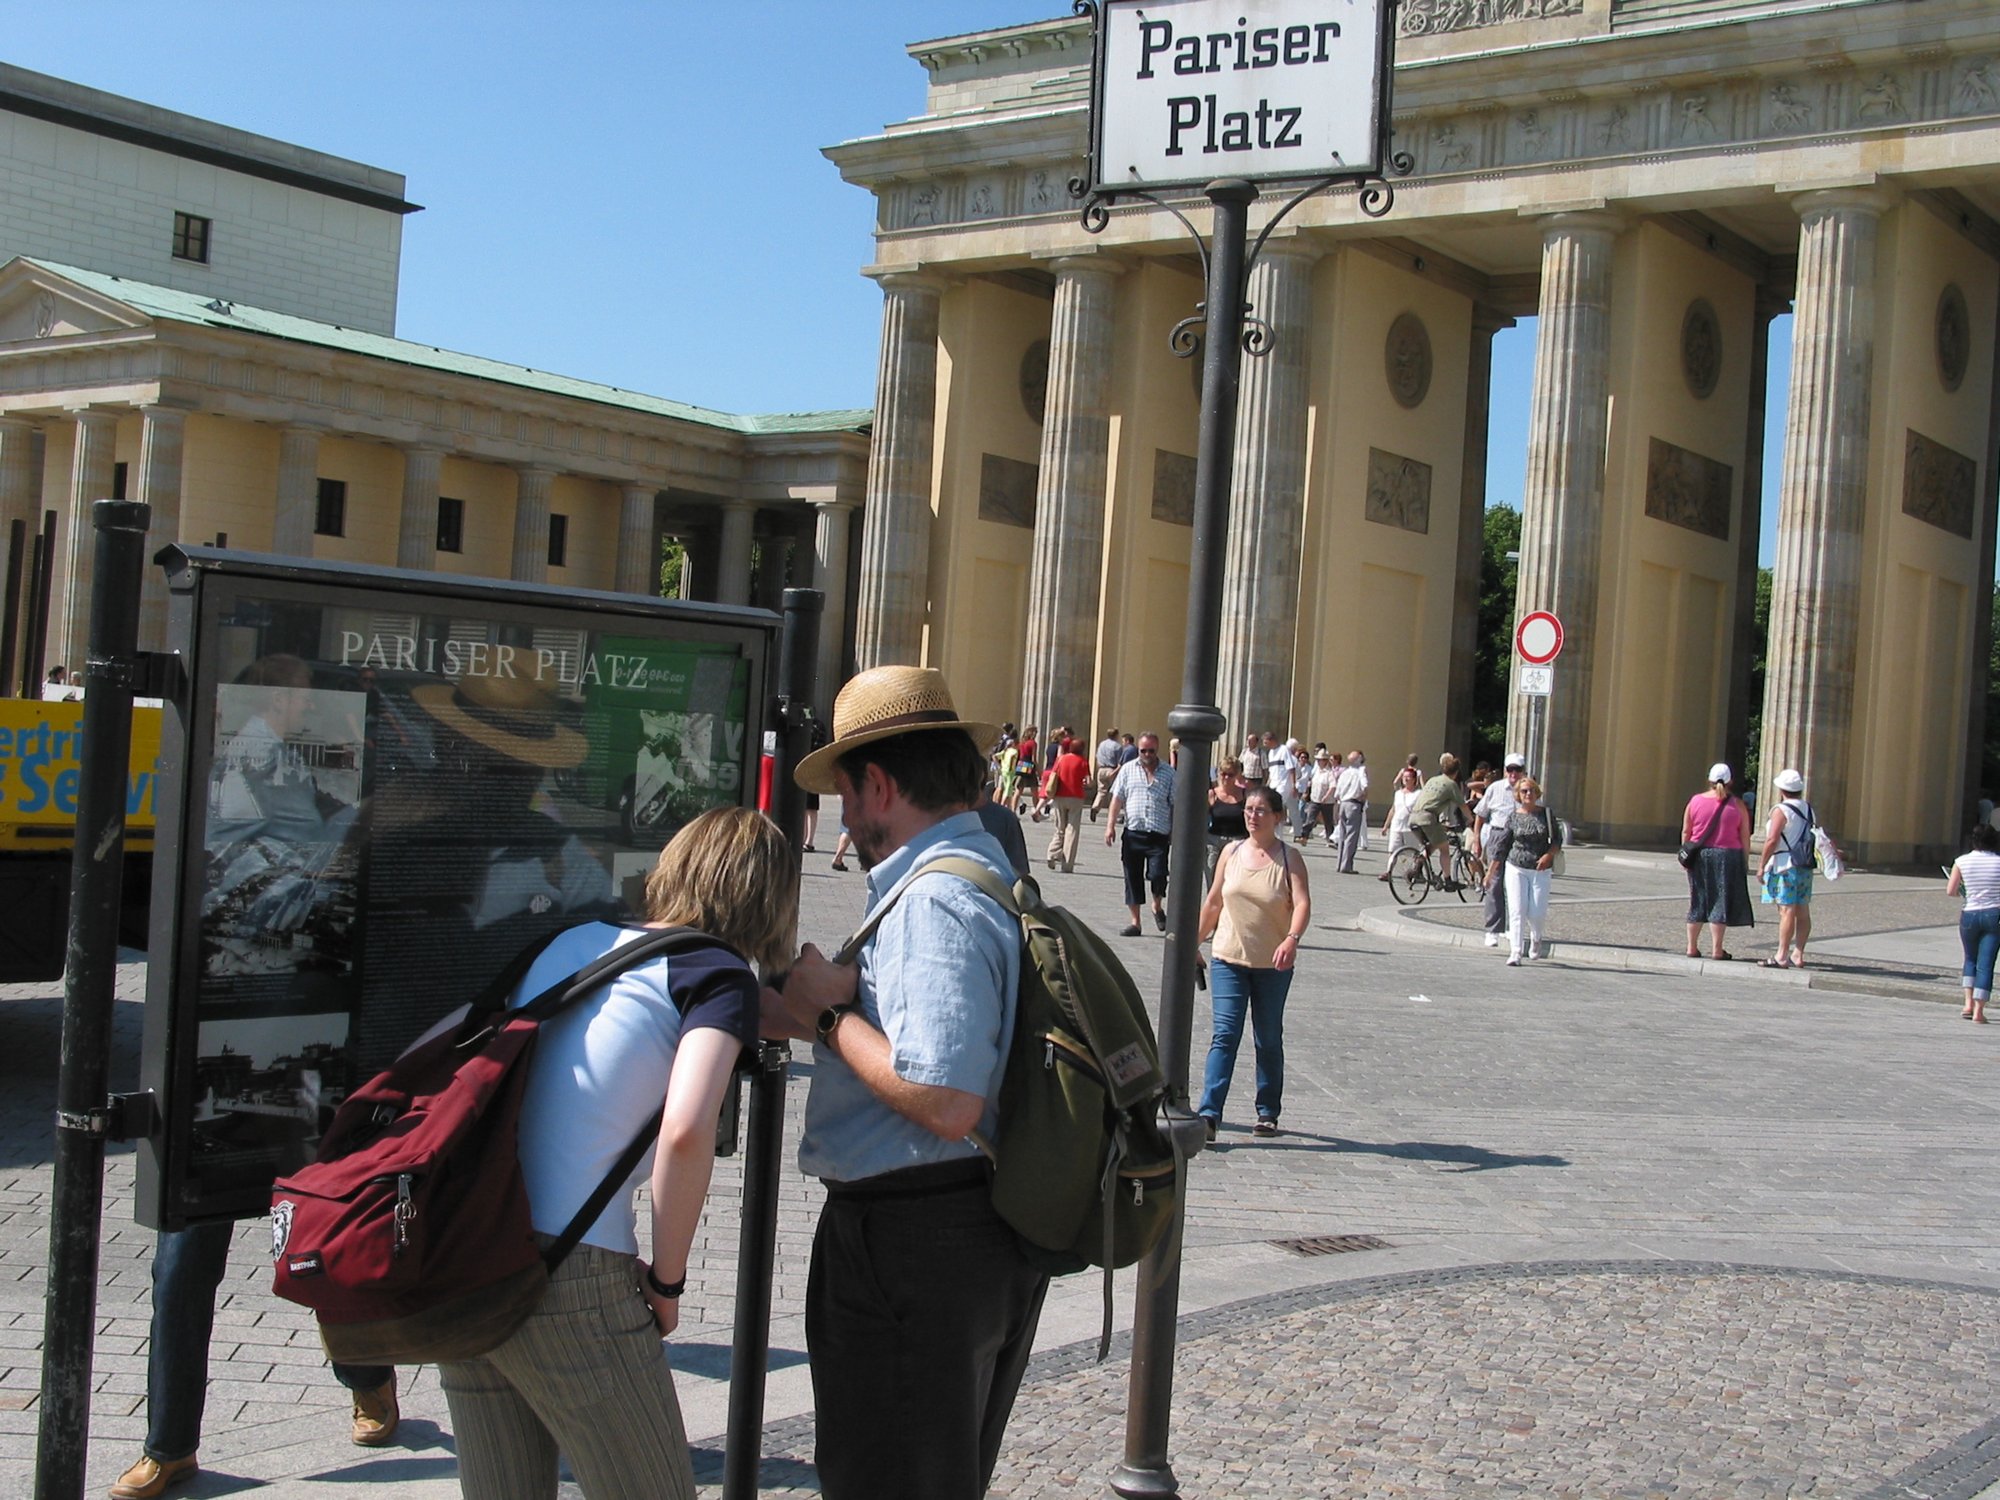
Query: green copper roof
x,y
191,307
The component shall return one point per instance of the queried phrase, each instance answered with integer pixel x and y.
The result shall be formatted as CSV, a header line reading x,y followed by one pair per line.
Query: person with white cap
x,y
1786,871
1489,816
1716,828
920,1308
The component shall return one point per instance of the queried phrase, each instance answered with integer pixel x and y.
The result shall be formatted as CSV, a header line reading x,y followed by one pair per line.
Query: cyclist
x,y
1439,810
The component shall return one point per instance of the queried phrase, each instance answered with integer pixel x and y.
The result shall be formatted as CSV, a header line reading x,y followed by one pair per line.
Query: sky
x,y
626,192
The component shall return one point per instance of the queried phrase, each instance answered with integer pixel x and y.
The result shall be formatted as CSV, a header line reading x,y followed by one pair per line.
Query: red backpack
x,y
410,1235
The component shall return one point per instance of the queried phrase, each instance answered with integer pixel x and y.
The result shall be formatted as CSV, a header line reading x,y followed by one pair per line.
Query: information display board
x,y
379,787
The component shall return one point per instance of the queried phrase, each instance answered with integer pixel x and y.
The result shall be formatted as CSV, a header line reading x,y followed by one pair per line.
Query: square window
x,y
451,524
330,516
558,538
191,237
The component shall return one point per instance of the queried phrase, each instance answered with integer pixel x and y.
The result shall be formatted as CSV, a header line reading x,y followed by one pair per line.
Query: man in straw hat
x,y
920,1310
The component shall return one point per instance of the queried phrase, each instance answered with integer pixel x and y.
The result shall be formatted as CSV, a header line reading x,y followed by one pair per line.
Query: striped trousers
x,y
585,1375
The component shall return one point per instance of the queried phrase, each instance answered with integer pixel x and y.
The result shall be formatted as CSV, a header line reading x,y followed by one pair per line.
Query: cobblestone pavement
x,y
1678,1233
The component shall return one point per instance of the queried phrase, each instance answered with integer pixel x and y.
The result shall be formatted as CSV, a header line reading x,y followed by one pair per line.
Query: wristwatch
x,y
828,1019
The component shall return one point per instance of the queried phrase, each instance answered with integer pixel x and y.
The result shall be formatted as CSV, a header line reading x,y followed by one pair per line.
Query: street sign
x,y
1537,682
1187,91
1538,639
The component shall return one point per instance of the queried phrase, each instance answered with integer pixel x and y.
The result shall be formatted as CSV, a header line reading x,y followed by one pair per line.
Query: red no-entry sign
x,y
1538,639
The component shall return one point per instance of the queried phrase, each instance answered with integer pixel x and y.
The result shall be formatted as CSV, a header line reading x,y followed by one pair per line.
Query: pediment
x,y
37,303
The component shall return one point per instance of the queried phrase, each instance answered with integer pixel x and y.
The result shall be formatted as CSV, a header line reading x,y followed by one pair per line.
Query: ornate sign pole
x,y
1195,95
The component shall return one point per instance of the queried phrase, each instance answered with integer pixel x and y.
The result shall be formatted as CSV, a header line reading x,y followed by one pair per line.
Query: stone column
x,y
638,554
17,503
732,577
1267,490
1816,583
894,587
1563,503
1068,566
1749,533
161,431
531,525
829,576
416,534
298,492
89,481
1459,693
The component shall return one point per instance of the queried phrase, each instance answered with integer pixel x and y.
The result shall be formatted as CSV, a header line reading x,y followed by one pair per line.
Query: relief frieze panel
x,y
1688,489
1437,17
1938,485
1399,491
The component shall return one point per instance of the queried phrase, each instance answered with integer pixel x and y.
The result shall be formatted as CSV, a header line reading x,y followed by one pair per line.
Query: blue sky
x,y
628,192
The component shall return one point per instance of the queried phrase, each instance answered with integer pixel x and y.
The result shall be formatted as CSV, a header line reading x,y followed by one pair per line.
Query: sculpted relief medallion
x,y
1701,349
1035,380
1407,358
1954,336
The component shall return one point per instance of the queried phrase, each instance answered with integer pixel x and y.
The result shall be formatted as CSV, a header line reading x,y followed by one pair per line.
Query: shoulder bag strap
x,y
609,966
970,870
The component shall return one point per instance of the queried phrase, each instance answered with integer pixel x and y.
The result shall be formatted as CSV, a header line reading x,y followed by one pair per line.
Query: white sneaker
x,y
1492,939
1513,960
1541,950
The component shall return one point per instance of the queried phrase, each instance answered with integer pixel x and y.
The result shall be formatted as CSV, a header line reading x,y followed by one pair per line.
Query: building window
x,y
451,524
191,237
330,517
558,538
120,477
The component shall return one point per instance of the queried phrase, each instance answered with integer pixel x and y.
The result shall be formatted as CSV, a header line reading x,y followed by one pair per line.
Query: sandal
x,y
1265,1126
1720,958
1773,963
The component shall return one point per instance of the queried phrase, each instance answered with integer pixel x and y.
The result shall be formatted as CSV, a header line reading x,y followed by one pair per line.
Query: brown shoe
x,y
376,1415
149,1477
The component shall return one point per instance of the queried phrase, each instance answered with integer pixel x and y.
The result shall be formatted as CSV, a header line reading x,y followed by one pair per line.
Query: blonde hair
x,y
1448,764
730,874
1528,784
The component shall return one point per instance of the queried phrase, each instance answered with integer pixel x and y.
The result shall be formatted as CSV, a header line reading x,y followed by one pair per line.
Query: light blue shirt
x,y
939,980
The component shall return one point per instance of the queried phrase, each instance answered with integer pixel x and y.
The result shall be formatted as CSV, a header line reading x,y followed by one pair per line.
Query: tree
x,y
1753,753
673,558
1494,649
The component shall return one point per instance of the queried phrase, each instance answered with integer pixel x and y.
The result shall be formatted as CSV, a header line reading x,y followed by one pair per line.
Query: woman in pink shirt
x,y
1719,876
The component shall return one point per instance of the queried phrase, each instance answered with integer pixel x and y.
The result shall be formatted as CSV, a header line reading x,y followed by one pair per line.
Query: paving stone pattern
x,y
1607,1201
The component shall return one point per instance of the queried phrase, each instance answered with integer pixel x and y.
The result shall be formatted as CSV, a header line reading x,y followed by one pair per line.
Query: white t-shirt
x,y
600,1069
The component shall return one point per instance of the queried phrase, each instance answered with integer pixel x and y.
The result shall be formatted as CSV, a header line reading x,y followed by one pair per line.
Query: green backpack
x,y
1083,1171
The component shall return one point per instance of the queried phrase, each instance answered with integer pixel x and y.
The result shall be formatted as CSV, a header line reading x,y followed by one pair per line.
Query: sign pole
x,y
764,1140
1198,723
97,871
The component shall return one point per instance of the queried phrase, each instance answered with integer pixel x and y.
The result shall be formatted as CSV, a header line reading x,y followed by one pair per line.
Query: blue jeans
x,y
187,1272
1236,989
1979,932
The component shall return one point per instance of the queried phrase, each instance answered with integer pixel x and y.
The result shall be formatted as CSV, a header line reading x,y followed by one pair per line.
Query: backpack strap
x,y
969,870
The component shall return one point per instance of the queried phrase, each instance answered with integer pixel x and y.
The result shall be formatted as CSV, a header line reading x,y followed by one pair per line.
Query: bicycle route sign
x,y
1538,639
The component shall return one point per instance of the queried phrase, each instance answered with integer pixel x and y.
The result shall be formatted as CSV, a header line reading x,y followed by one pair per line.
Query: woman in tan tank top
x,y
1258,908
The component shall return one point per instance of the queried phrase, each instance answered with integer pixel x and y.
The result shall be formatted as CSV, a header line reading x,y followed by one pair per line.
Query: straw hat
x,y
514,715
880,703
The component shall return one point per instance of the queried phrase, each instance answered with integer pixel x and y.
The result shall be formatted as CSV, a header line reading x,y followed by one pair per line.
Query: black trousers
x,y
920,1316
1145,859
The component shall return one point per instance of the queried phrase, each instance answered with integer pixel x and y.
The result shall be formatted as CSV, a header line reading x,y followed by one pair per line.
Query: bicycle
x,y
1415,872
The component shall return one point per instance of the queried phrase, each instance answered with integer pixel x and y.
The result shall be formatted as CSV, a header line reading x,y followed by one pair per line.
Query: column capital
x,y
1854,198
423,448
17,426
1597,220
536,471
1083,263
302,429
1293,244
95,417
838,502
1487,321
908,279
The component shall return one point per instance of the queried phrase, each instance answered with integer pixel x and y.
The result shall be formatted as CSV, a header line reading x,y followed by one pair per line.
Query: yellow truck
x,y
41,770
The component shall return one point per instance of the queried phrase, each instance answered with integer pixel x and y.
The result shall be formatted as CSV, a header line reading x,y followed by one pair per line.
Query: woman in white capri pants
x,y
1526,852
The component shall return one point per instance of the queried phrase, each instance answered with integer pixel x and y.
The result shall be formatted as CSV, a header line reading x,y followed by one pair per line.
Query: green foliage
x,y
1494,651
1753,753
673,558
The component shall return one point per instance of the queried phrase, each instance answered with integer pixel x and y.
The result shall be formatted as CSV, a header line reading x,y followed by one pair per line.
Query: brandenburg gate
x,y
1654,181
